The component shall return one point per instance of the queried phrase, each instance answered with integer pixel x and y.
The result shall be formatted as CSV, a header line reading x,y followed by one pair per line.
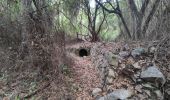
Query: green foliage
x,y
72,7
17,98
69,16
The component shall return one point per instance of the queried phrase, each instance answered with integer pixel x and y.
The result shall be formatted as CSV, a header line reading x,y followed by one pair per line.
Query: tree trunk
x,y
137,19
36,35
26,8
150,16
95,36
125,25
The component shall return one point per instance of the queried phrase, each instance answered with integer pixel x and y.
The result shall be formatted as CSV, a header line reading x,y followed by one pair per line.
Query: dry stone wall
x,y
106,61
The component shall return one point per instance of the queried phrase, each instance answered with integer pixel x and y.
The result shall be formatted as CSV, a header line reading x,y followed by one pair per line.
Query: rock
x,y
111,73
126,47
124,54
112,59
96,92
137,52
159,94
138,81
147,92
138,88
121,94
148,86
167,93
153,74
109,80
136,65
151,49
109,89
130,60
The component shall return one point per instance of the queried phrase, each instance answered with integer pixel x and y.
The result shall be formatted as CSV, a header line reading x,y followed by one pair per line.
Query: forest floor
x,y
77,81
85,76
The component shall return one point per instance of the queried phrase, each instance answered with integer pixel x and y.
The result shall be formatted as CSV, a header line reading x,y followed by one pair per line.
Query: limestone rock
x,y
111,73
124,54
109,80
121,94
159,94
136,65
152,74
151,49
137,52
112,58
96,92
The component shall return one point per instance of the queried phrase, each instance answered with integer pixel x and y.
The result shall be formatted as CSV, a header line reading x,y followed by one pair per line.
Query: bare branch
x,y
100,26
144,6
108,10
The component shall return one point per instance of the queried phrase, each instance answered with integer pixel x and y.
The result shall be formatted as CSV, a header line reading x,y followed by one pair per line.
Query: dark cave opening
x,y
83,52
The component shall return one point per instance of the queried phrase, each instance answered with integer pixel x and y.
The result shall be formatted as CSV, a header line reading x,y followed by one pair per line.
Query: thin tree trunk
x,y
26,8
150,16
125,25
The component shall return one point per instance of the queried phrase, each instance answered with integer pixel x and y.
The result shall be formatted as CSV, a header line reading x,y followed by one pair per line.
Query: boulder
x,y
137,52
111,58
124,54
153,74
96,92
159,94
118,94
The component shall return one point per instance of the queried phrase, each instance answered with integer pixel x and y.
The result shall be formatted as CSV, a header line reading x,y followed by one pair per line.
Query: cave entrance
x,y
83,52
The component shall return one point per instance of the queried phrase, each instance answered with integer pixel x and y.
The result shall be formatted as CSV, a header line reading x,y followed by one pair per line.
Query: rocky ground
x,y
109,71
128,71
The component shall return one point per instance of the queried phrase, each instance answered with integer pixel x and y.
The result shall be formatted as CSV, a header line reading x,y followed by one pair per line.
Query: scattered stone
x,y
138,81
141,97
124,54
138,88
111,73
126,47
148,86
137,52
148,92
96,92
136,65
151,49
109,89
130,60
118,94
109,80
112,59
153,74
167,93
159,94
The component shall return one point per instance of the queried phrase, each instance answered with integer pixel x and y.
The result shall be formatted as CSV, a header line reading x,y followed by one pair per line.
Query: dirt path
x,y
85,75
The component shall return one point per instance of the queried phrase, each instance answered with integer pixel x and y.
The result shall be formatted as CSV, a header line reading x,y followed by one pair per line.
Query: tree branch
x,y
100,26
108,10
144,6
150,16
